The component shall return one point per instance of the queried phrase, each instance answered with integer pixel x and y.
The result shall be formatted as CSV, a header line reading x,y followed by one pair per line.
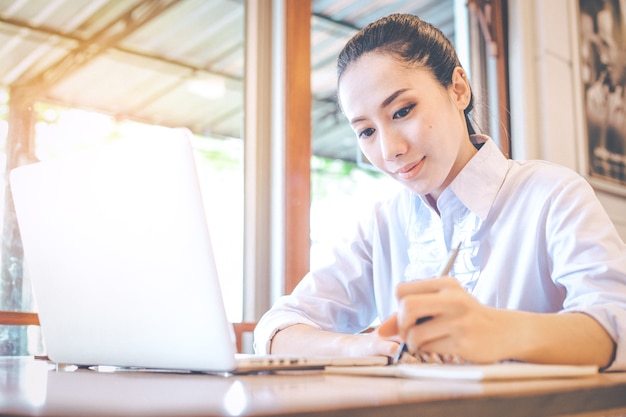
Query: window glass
x,y
165,68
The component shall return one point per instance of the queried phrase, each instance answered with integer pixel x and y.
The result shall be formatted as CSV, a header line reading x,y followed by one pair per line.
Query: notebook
x,y
119,255
472,372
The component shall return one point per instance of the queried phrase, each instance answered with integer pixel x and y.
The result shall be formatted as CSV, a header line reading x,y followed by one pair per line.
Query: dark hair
x,y
412,40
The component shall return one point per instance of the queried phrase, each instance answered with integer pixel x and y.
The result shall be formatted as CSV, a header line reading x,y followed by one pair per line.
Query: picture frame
x,y
602,47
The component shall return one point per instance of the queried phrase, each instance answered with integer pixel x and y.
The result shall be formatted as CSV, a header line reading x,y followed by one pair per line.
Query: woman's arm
x,y
346,296
568,338
305,339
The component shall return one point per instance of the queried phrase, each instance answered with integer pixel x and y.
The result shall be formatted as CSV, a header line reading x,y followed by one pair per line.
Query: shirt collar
x,y
478,183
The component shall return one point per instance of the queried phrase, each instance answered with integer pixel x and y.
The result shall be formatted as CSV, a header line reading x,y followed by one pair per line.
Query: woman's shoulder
x,y
539,183
543,175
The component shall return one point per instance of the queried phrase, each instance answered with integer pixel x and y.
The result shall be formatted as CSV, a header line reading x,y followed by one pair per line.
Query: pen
x,y
445,270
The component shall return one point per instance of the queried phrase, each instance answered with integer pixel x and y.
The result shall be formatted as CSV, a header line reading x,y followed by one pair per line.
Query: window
x,y
79,82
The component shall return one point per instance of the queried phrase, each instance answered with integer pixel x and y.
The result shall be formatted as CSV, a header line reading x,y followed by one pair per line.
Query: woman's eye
x,y
403,112
364,134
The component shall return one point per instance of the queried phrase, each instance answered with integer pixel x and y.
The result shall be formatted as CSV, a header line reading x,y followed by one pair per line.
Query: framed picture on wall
x,y
602,26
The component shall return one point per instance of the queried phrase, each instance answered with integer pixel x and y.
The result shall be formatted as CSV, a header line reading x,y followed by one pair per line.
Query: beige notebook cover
x,y
496,371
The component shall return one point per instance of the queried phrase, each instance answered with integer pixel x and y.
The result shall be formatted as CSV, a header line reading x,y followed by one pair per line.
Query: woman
x,y
541,272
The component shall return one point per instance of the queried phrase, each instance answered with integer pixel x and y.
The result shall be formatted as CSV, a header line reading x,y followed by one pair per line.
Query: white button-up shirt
x,y
533,237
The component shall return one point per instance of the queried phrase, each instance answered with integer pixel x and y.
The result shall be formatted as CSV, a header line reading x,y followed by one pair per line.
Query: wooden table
x,y
33,387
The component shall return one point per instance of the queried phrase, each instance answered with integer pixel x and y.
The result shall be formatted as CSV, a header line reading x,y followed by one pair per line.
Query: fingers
x,y
411,312
386,348
413,309
421,308
425,336
370,344
420,302
389,327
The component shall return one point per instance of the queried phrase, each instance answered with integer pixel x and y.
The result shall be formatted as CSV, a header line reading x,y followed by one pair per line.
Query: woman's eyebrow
x,y
356,119
392,97
386,102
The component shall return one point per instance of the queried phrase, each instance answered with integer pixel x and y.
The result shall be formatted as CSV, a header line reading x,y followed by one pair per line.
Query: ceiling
x,y
176,62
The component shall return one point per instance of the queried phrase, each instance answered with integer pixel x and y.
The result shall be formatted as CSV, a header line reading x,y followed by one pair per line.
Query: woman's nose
x,y
392,145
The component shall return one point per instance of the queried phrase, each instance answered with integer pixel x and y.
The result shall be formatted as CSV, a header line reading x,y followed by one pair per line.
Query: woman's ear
x,y
460,89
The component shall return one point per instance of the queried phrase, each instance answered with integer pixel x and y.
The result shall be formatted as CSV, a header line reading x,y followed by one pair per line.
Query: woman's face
x,y
406,123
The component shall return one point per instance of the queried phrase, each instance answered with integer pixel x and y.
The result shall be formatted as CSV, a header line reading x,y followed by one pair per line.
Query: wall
x,y
546,96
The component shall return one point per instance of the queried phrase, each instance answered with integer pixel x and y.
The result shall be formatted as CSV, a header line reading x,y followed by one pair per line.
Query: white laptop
x,y
117,248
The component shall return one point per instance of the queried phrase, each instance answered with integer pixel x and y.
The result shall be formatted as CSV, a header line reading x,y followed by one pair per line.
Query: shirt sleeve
x,y
338,297
354,290
589,260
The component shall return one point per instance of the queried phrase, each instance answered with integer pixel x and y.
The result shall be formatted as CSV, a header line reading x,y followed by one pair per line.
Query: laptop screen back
x,y
117,249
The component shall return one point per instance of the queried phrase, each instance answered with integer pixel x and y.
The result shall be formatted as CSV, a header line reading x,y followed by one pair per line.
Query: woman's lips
x,y
411,170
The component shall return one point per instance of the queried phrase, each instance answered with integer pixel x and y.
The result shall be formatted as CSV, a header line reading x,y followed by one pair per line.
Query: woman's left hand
x,y
439,316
